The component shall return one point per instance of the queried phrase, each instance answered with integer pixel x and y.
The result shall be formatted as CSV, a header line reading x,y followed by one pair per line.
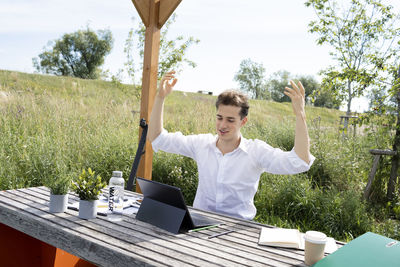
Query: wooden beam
x,y
149,83
167,7
143,8
154,13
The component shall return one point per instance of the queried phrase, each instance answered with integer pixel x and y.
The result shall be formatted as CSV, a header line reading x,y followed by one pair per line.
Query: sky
x,y
273,33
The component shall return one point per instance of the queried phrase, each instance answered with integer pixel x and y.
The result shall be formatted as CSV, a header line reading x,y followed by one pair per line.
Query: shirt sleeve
x,y
276,161
176,143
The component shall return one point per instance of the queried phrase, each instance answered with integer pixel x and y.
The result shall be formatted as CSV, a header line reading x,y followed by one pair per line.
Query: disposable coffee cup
x,y
314,247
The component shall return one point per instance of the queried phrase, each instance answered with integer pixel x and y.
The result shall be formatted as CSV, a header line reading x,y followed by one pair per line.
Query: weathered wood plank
x,y
250,248
123,238
142,242
228,247
387,152
180,244
99,234
224,251
242,261
251,226
371,176
19,217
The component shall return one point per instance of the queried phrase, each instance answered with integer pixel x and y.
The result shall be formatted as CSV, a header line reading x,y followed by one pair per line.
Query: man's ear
x,y
244,121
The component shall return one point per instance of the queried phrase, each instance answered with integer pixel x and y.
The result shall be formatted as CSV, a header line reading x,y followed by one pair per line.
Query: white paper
x,y
130,206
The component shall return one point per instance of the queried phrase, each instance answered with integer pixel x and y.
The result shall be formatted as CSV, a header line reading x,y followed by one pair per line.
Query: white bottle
x,y
116,197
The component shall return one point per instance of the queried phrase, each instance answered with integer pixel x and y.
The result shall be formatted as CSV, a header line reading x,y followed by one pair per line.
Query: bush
x,y
297,202
390,228
178,171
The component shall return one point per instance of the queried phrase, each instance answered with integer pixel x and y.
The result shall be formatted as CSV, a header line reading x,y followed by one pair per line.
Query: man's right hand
x,y
166,84
165,87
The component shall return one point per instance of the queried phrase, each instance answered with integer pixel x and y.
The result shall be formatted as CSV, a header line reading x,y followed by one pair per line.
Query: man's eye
x,y
231,120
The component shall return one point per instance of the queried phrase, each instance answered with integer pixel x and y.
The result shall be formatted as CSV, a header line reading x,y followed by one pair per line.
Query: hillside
x,y
18,84
105,102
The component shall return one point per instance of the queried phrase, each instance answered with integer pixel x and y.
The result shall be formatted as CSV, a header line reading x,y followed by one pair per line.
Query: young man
x,y
229,165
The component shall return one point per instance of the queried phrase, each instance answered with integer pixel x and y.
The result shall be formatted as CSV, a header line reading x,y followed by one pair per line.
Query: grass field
x,y
52,126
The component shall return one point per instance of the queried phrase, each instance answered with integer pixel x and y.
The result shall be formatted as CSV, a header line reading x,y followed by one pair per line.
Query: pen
x,y
106,206
223,233
72,208
203,228
98,213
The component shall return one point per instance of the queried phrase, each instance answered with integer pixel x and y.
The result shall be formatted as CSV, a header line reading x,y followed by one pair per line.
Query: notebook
x,y
367,250
289,238
163,205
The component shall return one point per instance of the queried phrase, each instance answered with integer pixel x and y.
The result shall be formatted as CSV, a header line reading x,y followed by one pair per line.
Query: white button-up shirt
x,y
228,183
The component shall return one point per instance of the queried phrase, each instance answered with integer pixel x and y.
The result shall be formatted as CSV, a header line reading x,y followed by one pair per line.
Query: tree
x,y
251,78
362,35
313,92
395,91
280,79
379,102
276,85
172,51
78,54
310,84
325,97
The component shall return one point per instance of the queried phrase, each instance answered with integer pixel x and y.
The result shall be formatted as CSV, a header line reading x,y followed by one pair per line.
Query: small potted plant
x,y
59,185
88,188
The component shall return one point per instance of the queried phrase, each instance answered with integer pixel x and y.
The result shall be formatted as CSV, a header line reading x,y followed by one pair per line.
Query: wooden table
x,y
132,242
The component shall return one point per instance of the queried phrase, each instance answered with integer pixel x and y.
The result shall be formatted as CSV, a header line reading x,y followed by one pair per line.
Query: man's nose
x,y
223,124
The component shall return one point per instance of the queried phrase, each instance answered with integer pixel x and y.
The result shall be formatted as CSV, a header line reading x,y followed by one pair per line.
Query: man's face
x,y
228,122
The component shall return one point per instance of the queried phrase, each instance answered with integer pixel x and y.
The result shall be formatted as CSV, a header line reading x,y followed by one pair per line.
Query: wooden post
x,y
371,176
154,13
346,122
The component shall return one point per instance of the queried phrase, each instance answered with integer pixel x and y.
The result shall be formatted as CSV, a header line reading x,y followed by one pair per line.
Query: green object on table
x,y
204,228
369,249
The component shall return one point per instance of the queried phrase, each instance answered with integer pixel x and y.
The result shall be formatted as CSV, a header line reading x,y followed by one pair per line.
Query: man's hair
x,y
234,98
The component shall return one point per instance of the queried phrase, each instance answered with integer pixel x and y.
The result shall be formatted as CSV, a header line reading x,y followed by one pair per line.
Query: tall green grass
x,y
49,124
52,126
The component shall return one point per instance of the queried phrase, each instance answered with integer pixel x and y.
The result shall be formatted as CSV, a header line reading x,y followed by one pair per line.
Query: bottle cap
x,y
117,174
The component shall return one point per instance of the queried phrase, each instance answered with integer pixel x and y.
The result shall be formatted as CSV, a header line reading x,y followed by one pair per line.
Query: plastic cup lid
x,y
315,237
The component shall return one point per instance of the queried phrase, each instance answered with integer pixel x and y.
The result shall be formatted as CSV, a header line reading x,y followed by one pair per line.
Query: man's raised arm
x,y
165,86
301,141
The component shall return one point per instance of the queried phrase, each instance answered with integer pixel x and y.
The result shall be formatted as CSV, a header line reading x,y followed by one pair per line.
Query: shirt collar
x,y
242,145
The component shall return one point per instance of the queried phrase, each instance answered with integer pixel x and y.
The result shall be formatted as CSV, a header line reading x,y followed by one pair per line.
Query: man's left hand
x,y
297,95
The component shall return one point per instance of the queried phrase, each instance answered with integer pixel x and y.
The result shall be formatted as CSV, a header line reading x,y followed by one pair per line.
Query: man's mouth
x,y
222,132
